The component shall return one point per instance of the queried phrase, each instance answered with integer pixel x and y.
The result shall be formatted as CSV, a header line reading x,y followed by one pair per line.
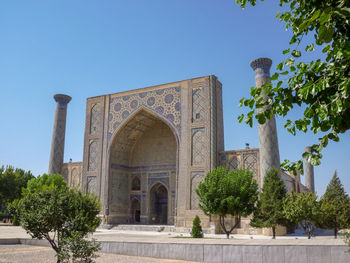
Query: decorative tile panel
x,y
199,146
196,179
158,177
246,158
250,162
164,102
233,163
91,184
92,156
199,104
75,179
119,192
96,119
136,196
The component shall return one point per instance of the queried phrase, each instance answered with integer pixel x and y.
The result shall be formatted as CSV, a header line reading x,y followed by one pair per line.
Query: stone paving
x,y
171,237
175,247
30,254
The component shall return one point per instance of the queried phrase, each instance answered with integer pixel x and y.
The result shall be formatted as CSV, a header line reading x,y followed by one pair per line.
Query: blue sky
x,y
87,48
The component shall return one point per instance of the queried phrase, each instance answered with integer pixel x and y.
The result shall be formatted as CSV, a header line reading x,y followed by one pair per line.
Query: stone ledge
x,y
240,253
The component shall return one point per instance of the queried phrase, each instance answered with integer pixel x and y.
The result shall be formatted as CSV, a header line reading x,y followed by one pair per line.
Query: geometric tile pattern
x,y
92,156
75,179
233,163
57,144
119,192
164,102
250,162
199,104
247,159
58,138
196,179
96,119
269,153
91,184
158,177
199,146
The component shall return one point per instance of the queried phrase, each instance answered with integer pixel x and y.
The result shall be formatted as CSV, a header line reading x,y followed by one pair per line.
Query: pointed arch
x,y
144,144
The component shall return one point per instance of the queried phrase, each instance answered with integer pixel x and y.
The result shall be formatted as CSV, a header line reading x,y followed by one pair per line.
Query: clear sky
x,y
87,48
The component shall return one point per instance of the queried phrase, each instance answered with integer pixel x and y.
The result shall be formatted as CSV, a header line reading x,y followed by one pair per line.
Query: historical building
x,y
146,150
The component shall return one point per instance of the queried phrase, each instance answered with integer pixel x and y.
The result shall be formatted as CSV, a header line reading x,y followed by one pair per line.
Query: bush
x,y
197,228
15,221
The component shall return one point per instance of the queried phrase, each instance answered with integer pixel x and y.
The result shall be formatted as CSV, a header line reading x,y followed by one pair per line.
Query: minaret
x,y
309,172
58,135
268,149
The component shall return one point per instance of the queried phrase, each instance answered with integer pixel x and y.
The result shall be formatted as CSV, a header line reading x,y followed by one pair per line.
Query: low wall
x,y
216,253
231,253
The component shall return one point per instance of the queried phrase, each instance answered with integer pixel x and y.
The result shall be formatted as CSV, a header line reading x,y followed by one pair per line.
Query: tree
x,y
50,210
269,212
12,180
224,193
197,228
347,240
321,85
302,208
334,207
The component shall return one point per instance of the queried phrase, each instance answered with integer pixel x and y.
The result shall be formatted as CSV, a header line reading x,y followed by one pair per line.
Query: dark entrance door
x,y
135,211
159,204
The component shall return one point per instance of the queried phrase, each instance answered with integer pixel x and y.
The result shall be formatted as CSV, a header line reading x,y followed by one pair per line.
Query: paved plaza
x,y
153,246
172,237
30,254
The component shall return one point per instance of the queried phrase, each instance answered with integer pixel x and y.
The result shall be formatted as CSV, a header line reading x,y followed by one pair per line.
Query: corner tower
x,y
268,141
58,134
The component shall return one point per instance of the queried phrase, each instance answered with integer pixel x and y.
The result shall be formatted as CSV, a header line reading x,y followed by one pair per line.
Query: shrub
x,y
197,228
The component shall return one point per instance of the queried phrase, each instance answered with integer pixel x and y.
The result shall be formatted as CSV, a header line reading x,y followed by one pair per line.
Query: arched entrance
x,y
158,204
143,153
135,211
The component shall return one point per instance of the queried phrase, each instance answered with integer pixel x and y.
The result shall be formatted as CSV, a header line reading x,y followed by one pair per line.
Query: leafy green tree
x,y
225,193
50,210
334,207
303,209
12,180
347,240
197,231
269,212
321,85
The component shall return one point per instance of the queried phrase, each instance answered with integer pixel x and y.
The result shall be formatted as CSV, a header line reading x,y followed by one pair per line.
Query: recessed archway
x,y
158,204
135,211
143,151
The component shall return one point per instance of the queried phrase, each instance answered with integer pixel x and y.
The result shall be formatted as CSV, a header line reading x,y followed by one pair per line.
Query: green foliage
x,y
347,240
269,212
78,249
50,210
334,207
303,209
225,193
322,85
197,228
11,183
15,221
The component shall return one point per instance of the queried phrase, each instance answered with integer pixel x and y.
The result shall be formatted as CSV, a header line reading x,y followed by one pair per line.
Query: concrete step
x,y
155,228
